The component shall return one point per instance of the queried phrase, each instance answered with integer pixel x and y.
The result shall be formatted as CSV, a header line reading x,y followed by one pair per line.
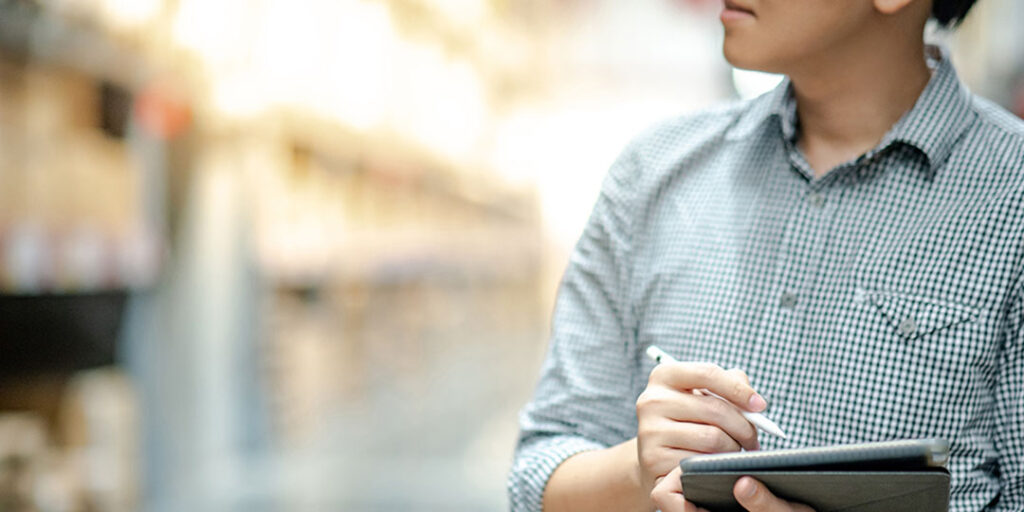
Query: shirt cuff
x,y
535,461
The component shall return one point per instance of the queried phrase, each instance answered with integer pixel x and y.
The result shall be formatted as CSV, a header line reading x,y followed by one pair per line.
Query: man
x,y
854,241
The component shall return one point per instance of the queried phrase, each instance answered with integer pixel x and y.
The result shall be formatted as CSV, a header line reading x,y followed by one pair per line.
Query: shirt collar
x,y
941,115
932,126
770,105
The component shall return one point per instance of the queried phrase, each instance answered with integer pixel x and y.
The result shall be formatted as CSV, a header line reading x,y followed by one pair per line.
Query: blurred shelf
x,y
58,333
341,148
29,30
34,262
393,256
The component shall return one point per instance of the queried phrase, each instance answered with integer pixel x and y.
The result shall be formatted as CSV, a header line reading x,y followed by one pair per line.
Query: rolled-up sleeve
x,y
583,399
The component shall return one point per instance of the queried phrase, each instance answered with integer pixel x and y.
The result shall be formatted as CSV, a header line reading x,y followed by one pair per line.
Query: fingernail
x,y
757,403
748,489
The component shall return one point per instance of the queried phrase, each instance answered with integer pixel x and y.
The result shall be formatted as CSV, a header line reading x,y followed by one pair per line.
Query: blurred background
x,y
301,254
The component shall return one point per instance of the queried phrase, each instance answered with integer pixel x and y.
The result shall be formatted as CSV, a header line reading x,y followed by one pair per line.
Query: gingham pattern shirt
x,y
882,301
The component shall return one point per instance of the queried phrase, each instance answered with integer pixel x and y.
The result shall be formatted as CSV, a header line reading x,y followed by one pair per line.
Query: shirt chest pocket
x,y
917,332
910,317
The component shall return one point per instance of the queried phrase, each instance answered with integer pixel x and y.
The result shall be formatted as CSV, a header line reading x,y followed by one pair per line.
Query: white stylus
x,y
758,419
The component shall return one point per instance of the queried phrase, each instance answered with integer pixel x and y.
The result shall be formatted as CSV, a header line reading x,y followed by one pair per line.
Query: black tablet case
x,y
892,476
825,491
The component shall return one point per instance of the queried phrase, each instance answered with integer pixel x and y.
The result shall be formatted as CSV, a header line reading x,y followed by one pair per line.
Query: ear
x,y
891,6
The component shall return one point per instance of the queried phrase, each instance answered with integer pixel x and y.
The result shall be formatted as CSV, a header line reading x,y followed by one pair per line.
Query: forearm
x,y
599,480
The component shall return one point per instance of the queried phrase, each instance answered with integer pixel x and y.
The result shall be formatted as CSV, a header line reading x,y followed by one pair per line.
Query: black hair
x,y
951,12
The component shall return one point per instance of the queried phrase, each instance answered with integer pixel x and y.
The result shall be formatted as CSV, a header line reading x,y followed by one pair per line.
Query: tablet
x,y
885,476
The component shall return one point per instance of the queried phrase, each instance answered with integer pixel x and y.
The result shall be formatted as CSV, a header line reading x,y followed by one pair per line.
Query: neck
x,y
849,98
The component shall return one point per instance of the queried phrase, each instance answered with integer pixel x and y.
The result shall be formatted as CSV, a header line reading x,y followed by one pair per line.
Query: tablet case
x,y
898,455
926,490
867,477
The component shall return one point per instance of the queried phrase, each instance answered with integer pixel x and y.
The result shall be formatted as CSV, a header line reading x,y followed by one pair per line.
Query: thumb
x,y
755,497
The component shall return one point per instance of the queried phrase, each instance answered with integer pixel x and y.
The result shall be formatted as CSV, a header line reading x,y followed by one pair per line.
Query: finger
x,y
713,411
690,376
739,374
667,495
659,460
661,402
700,438
755,497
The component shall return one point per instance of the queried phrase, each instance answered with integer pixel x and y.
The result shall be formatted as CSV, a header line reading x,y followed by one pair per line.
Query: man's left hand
x,y
755,497
751,494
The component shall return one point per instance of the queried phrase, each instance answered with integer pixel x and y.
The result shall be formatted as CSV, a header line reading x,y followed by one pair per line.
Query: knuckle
x,y
651,397
647,464
643,399
658,374
749,432
650,467
724,413
736,372
708,372
709,439
645,431
740,391
726,443
719,409
656,497
748,436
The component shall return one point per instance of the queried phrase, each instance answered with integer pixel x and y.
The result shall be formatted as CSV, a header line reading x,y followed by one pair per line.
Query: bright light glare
x,y
751,84
127,14
566,149
214,30
330,58
439,102
237,96
463,12
342,60
351,77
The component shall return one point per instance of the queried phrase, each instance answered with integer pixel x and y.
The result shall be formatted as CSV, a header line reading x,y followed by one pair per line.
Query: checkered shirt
x,y
884,300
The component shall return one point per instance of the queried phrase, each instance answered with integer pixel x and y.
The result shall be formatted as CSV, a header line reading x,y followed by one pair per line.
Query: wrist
x,y
608,479
632,461
629,458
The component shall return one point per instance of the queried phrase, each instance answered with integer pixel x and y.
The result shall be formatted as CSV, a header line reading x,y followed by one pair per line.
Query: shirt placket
x,y
799,260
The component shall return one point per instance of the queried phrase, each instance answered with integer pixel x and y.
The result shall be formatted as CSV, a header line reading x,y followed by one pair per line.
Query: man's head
x,y
781,35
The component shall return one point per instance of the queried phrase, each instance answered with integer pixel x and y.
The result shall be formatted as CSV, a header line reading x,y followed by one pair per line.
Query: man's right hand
x,y
675,422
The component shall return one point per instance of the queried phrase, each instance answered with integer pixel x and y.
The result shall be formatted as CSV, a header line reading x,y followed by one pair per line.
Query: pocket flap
x,y
914,316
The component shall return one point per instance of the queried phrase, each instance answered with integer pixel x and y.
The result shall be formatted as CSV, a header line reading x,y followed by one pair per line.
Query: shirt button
x,y
860,296
788,300
816,199
908,327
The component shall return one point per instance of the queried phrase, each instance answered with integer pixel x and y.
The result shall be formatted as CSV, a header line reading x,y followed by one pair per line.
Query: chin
x,y
747,56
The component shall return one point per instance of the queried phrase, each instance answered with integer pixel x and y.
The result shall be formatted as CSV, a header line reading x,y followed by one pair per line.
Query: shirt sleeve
x,y
1010,411
582,401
